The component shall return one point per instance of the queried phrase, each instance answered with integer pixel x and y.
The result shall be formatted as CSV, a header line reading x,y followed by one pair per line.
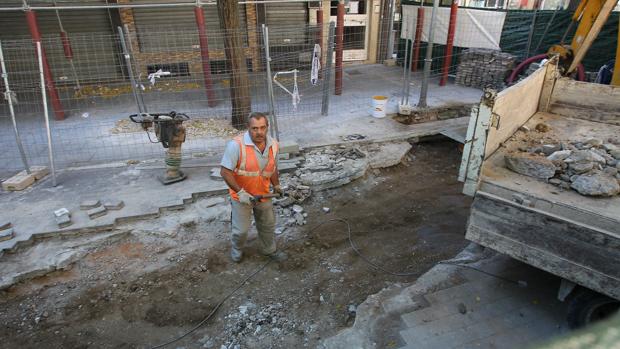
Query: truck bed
x,y
560,231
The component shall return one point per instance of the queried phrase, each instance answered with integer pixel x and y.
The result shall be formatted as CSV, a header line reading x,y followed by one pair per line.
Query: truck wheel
x,y
588,306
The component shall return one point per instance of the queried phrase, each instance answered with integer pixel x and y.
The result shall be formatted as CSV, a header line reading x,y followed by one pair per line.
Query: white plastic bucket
x,y
378,106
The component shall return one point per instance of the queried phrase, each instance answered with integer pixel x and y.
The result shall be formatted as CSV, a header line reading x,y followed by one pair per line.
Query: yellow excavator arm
x,y
591,16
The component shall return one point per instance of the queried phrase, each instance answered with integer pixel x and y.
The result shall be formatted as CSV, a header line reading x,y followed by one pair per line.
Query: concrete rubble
x,y
590,167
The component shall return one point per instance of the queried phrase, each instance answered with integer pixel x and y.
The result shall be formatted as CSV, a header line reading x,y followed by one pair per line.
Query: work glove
x,y
244,197
277,189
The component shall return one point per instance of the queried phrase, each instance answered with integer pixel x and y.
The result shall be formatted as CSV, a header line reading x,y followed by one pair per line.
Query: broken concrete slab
x,y
114,204
18,182
97,212
530,165
7,234
286,167
389,154
63,220
89,204
598,184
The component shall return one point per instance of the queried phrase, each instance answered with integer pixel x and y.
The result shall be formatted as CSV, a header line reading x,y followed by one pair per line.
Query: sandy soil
x,y
156,279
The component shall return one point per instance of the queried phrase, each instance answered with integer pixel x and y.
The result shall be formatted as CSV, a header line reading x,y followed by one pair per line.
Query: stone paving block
x,y
5,225
284,167
89,204
97,212
449,294
18,182
7,234
114,204
64,220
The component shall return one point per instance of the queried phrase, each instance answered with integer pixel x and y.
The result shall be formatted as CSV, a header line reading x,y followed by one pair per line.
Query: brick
x,y
61,211
64,220
114,204
20,181
97,212
89,204
7,234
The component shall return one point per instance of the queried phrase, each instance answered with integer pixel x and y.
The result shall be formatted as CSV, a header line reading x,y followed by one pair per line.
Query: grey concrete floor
x,y
79,141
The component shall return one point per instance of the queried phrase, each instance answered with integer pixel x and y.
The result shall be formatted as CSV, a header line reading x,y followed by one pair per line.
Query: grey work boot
x,y
236,255
278,256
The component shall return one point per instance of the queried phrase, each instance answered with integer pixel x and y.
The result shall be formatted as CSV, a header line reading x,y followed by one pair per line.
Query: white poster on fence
x,y
474,28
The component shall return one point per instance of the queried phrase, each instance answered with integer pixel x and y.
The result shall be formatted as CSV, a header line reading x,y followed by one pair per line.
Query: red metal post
x,y
339,46
59,113
319,39
447,59
204,53
418,38
66,45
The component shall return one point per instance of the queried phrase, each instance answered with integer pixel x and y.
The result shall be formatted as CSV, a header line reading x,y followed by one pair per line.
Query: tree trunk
x,y
236,62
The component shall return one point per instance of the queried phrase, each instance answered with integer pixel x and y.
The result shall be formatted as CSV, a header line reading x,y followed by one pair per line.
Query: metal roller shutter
x,y
287,22
174,28
95,54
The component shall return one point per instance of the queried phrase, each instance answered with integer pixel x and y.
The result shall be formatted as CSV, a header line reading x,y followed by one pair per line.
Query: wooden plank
x,y
582,100
550,263
551,76
560,246
514,106
20,181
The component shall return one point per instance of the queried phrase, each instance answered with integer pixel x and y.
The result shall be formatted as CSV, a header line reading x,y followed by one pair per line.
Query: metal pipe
x,y
121,6
418,37
530,35
544,34
66,47
9,97
50,150
429,57
33,26
328,69
409,74
390,46
204,53
272,103
447,60
129,69
339,47
402,100
133,63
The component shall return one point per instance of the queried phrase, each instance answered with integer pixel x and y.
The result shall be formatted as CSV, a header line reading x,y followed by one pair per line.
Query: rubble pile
x,y
484,68
264,323
590,167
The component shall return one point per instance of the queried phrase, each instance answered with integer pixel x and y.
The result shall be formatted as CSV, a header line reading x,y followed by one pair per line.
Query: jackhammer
x,y
170,132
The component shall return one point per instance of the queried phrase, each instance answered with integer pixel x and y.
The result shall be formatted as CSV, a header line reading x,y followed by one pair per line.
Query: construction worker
x,y
249,167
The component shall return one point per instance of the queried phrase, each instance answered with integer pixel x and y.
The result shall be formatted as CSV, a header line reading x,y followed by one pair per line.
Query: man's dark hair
x,y
257,116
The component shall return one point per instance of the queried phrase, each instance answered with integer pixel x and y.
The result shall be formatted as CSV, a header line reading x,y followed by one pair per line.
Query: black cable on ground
x,y
355,249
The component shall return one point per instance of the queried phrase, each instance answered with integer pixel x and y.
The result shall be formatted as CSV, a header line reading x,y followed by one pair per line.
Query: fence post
x,y
129,49
429,58
447,59
418,37
8,94
275,132
328,69
204,53
390,45
339,46
50,150
130,70
59,113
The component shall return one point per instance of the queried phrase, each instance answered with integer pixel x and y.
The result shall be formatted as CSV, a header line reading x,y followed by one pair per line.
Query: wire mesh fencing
x,y
159,69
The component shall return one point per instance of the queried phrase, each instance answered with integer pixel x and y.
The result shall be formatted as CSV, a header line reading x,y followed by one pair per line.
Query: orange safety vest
x,y
248,173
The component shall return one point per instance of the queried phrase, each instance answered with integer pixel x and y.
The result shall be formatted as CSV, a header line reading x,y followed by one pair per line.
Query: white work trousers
x,y
265,224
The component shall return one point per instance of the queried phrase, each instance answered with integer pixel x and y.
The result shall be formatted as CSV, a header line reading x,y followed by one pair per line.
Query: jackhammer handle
x,y
266,196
